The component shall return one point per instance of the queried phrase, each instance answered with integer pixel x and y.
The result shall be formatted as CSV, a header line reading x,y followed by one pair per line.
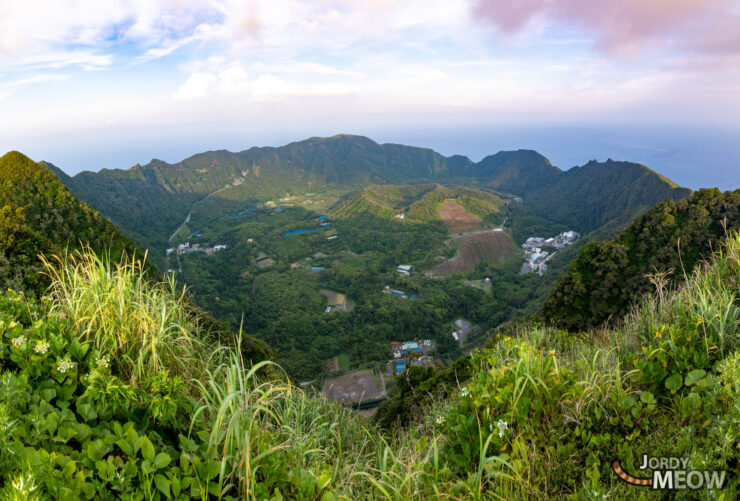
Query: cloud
x,y
54,33
626,27
233,80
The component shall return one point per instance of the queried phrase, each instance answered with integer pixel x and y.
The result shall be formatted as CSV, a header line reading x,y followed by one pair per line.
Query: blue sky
x,y
109,83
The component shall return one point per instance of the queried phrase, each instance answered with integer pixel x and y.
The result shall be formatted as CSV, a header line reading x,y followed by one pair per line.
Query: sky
x,y
90,84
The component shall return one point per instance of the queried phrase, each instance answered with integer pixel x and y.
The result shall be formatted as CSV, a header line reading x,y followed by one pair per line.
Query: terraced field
x,y
489,247
456,218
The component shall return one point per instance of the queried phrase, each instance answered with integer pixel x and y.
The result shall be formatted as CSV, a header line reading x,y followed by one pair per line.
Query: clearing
x,y
479,247
456,218
353,387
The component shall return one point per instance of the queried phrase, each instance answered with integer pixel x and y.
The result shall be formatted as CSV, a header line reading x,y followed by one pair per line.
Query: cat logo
x,y
671,473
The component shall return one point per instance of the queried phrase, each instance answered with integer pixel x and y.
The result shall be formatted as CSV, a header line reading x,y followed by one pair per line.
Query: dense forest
x,y
38,215
657,251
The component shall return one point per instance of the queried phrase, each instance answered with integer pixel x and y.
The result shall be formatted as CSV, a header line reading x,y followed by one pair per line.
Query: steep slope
x,y
668,240
459,208
518,172
38,215
149,202
598,193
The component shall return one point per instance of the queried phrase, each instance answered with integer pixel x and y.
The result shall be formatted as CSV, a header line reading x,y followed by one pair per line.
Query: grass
x,y
145,328
572,403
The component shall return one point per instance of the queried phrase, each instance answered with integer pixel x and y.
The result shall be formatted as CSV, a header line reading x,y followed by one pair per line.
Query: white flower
x,y
41,347
464,392
64,365
441,420
102,362
502,426
18,341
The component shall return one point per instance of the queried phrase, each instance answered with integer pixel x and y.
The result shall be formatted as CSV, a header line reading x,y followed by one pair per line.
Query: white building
x,y
404,269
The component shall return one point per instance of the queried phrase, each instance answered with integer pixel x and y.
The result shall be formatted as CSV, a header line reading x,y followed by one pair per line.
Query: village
x,y
535,258
409,353
186,248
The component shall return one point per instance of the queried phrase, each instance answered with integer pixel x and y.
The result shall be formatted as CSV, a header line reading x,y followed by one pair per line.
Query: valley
x,y
280,225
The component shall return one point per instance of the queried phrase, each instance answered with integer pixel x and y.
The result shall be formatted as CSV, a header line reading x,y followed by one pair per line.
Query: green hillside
x,y
38,215
247,201
150,202
153,407
662,245
421,204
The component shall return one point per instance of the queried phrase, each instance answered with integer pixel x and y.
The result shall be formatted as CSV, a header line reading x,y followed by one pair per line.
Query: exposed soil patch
x,y
488,247
455,217
353,387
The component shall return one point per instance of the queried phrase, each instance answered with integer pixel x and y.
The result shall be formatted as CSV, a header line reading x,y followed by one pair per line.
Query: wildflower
x,y
41,347
464,392
713,347
441,420
64,365
12,324
102,362
18,341
502,426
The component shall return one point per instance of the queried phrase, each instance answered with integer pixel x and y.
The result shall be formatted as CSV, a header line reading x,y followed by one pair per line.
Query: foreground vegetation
x,y
110,389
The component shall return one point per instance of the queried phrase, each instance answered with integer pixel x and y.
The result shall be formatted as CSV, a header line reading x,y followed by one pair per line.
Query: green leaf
x,y
147,449
132,437
176,487
161,460
673,383
162,484
647,398
694,376
213,469
690,404
627,403
125,447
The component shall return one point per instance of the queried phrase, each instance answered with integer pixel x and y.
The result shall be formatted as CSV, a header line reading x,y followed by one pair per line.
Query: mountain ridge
x,y
150,201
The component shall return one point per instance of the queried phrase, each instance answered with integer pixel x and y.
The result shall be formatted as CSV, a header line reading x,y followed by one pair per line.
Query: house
x,y
400,366
397,293
217,248
404,269
400,216
317,268
332,237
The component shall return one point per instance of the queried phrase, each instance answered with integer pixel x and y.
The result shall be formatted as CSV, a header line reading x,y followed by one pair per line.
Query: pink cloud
x,y
627,27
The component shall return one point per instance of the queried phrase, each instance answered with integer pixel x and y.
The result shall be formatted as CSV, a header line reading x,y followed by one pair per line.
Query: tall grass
x,y
266,431
709,298
144,327
273,439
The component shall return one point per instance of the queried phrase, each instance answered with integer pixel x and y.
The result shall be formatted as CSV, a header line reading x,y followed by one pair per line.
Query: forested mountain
x,y
667,241
38,215
149,202
598,193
